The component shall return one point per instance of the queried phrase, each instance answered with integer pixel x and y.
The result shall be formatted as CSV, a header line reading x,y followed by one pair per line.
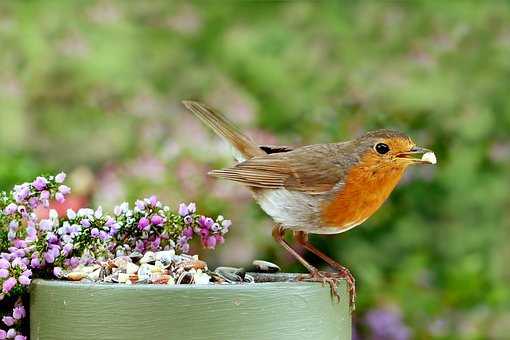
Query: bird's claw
x,y
332,280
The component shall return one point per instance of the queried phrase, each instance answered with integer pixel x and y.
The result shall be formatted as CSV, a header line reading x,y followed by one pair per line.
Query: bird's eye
x,y
382,148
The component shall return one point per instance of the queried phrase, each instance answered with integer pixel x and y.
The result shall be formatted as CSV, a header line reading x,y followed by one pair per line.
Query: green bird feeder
x,y
278,309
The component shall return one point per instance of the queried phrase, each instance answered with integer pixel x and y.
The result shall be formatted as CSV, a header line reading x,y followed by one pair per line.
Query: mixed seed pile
x,y
164,267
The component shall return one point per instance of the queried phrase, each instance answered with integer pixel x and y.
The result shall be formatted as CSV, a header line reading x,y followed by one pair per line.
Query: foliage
x,y
36,247
95,87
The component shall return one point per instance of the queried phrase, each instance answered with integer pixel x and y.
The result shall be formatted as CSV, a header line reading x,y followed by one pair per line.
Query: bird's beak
x,y
418,155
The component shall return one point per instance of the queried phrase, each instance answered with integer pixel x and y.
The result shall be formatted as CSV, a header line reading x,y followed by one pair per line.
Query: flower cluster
x,y
34,247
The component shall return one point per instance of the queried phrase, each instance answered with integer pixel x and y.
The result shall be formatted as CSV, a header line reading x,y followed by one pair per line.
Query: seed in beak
x,y
429,157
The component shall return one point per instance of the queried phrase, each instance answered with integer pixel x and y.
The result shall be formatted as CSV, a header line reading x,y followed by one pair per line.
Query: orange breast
x,y
366,188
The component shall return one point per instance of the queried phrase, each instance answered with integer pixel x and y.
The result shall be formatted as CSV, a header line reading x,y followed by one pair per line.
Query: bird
x,y
317,189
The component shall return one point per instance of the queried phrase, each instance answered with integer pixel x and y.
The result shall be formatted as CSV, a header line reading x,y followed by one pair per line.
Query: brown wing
x,y
313,169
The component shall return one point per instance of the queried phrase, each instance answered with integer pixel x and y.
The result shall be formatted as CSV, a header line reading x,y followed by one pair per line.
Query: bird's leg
x,y
315,275
302,238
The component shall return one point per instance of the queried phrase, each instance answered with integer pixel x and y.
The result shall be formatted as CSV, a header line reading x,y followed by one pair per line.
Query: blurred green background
x,y
94,88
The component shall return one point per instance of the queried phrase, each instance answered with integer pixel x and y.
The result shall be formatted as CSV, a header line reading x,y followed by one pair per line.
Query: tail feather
x,y
243,144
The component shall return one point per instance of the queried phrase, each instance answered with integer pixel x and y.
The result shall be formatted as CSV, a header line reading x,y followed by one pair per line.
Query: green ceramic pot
x,y
272,310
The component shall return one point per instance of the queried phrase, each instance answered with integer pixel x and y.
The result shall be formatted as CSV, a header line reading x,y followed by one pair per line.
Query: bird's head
x,y
393,148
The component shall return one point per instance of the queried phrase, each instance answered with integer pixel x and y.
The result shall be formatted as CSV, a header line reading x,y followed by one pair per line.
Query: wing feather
x,y
313,169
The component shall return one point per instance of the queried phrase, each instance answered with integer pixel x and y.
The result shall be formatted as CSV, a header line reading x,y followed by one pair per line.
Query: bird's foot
x,y
324,278
332,279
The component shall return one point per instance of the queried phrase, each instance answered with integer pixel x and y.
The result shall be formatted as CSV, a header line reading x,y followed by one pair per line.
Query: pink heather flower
x,y
4,273
188,232
48,257
60,178
67,248
57,271
155,244
157,220
25,281
8,321
205,222
192,208
188,219
103,235
140,204
153,200
210,242
4,264
3,334
94,232
144,224
11,333
10,209
71,215
8,285
20,337
204,233
183,210
27,273
64,189
85,223
45,225
40,183
45,195
59,197
35,263
18,312
21,192
220,239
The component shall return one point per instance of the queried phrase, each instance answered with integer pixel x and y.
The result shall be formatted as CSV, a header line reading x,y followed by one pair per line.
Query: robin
x,y
320,188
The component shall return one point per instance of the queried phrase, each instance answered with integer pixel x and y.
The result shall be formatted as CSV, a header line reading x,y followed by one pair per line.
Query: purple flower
x,y
10,209
144,224
192,208
4,264
188,232
153,200
35,263
210,242
8,321
3,334
155,244
45,225
64,189
220,239
183,210
140,204
11,333
85,223
60,178
103,235
4,273
57,271
20,337
94,232
59,197
67,248
40,183
45,195
157,220
48,257
386,324
18,312
205,222
8,285
21,192
188,219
